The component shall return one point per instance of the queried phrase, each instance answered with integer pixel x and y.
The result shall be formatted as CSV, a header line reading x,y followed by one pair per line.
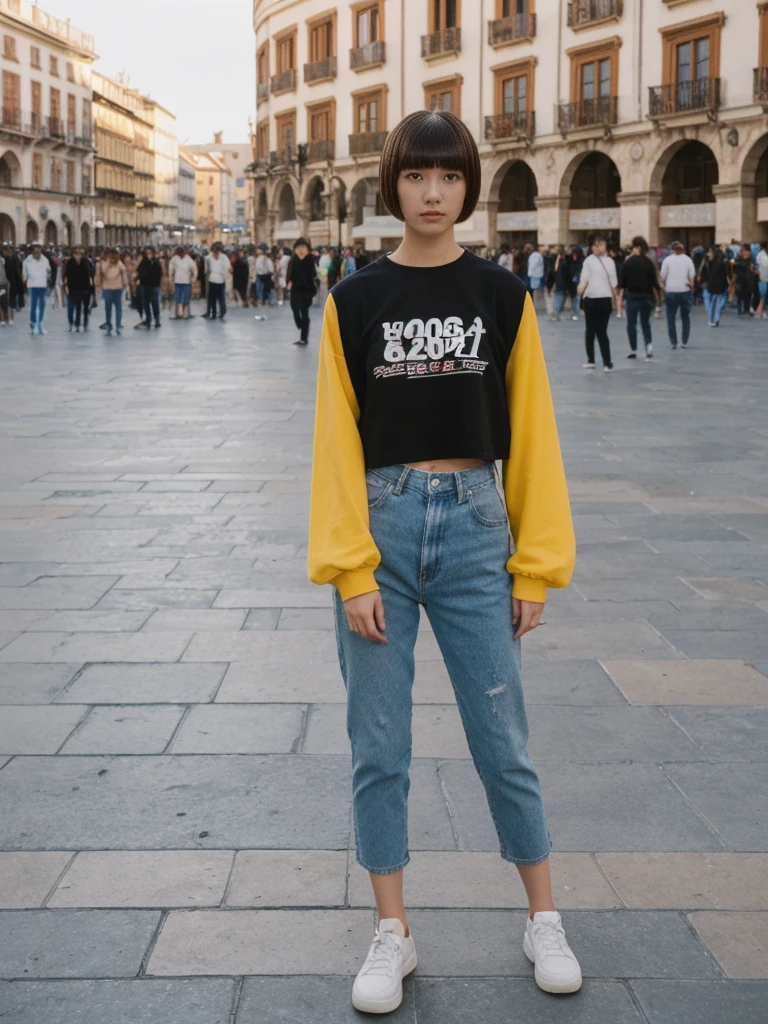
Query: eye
x,y
413,175
453,176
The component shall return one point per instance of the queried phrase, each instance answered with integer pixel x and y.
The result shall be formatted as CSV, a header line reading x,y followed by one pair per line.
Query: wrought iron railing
x,y
587,113
583,12
319,69
760,85
321,149
262,91
520,125
283,80
362,143
371,53
681,97
445,40
508,30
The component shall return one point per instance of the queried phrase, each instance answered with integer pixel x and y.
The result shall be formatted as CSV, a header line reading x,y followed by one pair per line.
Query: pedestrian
x,y
638,290
4,306
265,272
678,277
505,258
407,510
282,262
562,285
334,268
36,274
218,271
150,275
714,276
183,272
535,272
744,271
112,277
597,288
240,279
577,263
301,278
78,286
762,271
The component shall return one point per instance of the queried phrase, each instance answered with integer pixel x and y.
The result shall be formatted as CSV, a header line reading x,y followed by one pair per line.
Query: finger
x,y
516,606
372,632
378,614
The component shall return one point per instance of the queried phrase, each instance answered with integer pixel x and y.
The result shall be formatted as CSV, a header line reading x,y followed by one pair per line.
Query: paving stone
x,y
30,729
306,618
262,618
467,880
137,683
719,681
215,942
270,650
259,683
687,881
725,934
27,878
138,1001
234,729
611,806
236,802
57,592
721,792
96,647
726,734
34,684
702,1002
286,878
718,588
158,597
74,943
91,622
133,729
697,643
144,879
188,620
509,1000
571,639
311,1000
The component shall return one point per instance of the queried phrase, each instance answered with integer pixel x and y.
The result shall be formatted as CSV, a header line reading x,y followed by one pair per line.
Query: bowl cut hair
x,y
429,139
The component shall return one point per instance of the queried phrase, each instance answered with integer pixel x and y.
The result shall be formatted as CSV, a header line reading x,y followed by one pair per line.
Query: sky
x,y
195,57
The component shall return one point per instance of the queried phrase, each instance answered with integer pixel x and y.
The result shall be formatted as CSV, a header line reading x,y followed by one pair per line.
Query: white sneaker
x,y
589,366
545,945
378,987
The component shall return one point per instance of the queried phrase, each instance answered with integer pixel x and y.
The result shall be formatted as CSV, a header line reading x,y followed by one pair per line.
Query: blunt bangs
x,y
429,139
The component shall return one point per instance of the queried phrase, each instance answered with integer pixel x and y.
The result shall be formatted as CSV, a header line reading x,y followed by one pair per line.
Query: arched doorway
x,y
85,235
33,232
517,219
10,170
7,229
366,201
687,197
316,199
51,233
261,209
287,203
593,204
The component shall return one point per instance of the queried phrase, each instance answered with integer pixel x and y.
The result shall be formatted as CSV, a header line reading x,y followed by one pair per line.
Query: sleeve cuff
x,y
354,583
525,588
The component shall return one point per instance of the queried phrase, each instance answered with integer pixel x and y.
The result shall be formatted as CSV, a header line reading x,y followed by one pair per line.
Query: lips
x,y
432,215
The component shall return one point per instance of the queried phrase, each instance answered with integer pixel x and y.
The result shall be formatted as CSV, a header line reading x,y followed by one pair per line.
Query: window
x,y
444,95
70,176
369,111
596,79
443,14
262,140
34,57
87,116
691,50
9,48
286,53
595,73
71,115
515,95
11,99
509,8
55,110
367,25
55,175
286,132
37,105
70,71
262,65
322,39
53,66
37,170
322,122
693,60
210,180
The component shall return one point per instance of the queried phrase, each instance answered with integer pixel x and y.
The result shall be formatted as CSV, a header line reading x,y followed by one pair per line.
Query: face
x,y
302,251
79,254
113,257
431,199
148,253
599,247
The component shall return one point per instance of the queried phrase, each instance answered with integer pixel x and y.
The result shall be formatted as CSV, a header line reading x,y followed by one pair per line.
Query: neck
x,y
418,250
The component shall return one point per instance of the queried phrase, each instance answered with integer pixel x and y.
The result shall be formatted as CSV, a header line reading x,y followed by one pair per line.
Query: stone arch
x,y
518,168
286,202
513,192
10,170
7,229
314,198
262,205
365,199
685,176
594,183
51,233
33,231
85,234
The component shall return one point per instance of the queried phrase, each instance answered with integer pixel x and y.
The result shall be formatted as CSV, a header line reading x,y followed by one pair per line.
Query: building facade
x,y
46,132
214,195
165,171
238,216
186,197
609,115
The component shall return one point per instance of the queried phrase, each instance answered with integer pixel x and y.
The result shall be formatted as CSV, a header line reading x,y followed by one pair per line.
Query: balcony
x,y
587,113
283,81
684,97
364,143
320,70
262,91
47,23
443,43
517,28
321,149
519,126
588,12
760,88
368,56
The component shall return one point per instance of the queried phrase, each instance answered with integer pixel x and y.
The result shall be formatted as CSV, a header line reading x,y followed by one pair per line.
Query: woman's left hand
x,y
526,615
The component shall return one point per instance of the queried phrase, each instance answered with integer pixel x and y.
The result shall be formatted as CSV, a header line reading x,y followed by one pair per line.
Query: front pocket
x,y
488,506
378,488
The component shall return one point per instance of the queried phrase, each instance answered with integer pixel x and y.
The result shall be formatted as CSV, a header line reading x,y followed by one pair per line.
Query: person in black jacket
x,y
150,274
639,289
715,277
78,283
300,279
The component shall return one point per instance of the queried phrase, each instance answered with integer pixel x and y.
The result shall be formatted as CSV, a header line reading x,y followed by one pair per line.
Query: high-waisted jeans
x,y
444,543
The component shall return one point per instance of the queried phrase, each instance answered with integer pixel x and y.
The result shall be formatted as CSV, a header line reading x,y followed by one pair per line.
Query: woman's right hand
x,y
365,615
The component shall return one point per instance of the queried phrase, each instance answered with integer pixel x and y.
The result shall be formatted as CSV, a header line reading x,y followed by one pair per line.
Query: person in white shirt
x,y
265,270
282,275
597,288
506,259
183,273
535,272
37,274
762,283
678,278
218,270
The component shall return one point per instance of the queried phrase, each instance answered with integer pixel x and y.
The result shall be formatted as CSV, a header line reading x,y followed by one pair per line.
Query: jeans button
x,y
434,481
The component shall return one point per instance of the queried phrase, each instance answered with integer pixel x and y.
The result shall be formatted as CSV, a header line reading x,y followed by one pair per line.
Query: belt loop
x,y
401,482
459,478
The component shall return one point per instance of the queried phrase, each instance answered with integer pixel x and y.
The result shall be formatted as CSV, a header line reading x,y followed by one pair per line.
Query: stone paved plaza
x,y
174,768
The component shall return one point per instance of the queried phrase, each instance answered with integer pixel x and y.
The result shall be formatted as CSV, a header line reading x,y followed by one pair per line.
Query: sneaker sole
x,y
385,1005
557,987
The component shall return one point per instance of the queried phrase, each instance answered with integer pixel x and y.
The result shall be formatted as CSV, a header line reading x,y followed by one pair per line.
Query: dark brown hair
x,y
424,139
638,242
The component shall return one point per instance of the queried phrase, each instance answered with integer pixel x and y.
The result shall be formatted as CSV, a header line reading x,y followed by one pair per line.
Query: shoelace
x,y
383,955
552,937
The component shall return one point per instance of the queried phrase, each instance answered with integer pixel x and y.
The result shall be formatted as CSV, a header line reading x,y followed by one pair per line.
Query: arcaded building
x,y
623,116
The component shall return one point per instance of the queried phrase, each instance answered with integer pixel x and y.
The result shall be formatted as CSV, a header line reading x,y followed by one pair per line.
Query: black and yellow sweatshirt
x,y
422,363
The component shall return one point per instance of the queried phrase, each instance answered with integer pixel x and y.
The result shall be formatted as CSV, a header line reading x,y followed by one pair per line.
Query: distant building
x,y
46,133
214,195
186,215
236,156
165,170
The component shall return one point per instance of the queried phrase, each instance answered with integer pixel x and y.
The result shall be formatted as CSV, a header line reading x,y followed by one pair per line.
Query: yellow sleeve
x,y
341,548
534,476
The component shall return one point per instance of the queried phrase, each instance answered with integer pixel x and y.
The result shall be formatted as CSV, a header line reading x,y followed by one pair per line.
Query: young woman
x,y
431,368
597,288
300,278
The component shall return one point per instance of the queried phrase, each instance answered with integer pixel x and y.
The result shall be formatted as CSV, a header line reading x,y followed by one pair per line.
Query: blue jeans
x,y
183,294
444,543
37,307
683,302
714,303
559,302
113,299
638,306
